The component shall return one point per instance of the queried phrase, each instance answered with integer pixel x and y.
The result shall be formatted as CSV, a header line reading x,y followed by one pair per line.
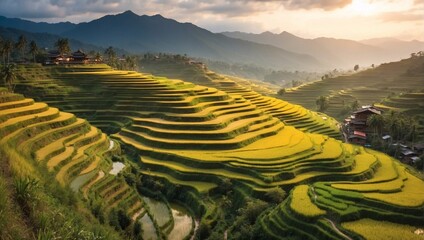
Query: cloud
x,y
44,9
401,17
314,4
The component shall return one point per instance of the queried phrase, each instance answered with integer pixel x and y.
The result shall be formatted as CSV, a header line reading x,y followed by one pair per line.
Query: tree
x,y
275,195
376,122
111,55
356,67
33,49
322,103
62,45
354,105
8,75
6,49
131,62
21,44
1,50
281,92
98,57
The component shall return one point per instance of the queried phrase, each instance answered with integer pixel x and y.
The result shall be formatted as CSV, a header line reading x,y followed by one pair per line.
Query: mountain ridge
x,y
335,51
140,34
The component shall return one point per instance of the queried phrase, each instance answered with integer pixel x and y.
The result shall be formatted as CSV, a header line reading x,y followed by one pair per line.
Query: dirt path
x,y
196,227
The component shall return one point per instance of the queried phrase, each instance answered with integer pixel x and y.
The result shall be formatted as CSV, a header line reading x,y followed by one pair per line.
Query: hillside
x,y
66,184
339,53
140,34
255,91
370,86
218,152
45,40
42,151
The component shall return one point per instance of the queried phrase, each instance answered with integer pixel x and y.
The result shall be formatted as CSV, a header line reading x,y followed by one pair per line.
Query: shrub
x,y
24,193
276,195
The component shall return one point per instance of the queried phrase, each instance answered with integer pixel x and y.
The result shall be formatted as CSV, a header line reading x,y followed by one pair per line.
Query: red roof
x,y
358,133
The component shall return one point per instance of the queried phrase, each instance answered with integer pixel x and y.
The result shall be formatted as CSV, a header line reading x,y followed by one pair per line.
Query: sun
x,y
364,7
375,7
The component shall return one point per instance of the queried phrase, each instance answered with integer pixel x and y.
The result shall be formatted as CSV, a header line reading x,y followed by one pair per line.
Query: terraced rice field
x,y
409,104
82,91
367,87
77,154
197,136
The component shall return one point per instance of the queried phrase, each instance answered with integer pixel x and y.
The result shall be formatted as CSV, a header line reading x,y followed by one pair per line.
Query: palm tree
x,y
6,49
20,45
354,105
62,45
322,103
33,49
111,55
1,50
8,75
376,122
131,62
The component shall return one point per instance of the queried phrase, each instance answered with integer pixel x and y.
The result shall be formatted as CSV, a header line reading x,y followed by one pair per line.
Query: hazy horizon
x,y
342,19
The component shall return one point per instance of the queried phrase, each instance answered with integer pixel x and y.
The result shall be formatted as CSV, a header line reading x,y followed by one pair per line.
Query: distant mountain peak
x,y
128,13
158,16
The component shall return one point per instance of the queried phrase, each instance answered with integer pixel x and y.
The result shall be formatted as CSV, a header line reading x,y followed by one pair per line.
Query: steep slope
x,y
139,34
257,93
336,52
64,153
32,137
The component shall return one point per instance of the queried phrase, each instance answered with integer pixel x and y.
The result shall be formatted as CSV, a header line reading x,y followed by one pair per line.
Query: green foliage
x,y
8,75
24,188
322,103
275,195
62,45
281,92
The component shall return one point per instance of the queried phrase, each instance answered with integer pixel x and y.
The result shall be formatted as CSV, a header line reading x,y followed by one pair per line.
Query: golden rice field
x,y
77,153
197,136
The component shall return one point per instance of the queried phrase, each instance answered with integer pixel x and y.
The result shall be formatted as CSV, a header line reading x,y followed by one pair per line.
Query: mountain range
x,y
337,52
139,34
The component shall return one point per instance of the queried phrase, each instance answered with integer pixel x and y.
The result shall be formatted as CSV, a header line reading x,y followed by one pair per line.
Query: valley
x,y
185,120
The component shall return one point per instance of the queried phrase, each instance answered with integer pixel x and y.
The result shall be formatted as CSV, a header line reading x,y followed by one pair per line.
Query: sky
x,y
347,19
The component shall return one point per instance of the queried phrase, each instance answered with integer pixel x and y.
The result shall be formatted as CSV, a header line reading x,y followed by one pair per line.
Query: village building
x,y
55,57
408,156
358,137
355,127
79,57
